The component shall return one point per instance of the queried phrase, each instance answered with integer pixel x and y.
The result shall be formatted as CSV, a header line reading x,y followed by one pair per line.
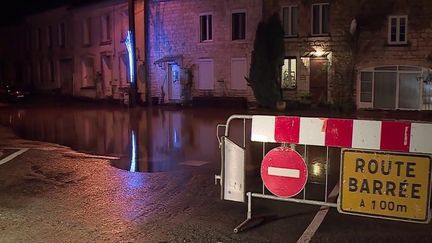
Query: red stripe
x,y
395,136
287,129
339,133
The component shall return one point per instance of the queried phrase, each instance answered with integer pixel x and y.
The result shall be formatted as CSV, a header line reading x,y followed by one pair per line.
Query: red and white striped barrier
x,y
398,136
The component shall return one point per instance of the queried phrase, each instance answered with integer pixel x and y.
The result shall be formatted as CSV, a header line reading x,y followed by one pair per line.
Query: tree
x,y
267,58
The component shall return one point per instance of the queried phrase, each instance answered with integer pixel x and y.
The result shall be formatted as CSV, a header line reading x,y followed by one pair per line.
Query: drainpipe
x,y
147,51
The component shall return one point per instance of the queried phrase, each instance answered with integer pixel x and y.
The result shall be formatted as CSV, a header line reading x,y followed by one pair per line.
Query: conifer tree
x,y
267,58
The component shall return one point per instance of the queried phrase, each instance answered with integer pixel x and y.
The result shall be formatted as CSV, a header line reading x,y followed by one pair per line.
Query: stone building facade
x,y
367,53
373,54
79,50
337,52
12,68
201,48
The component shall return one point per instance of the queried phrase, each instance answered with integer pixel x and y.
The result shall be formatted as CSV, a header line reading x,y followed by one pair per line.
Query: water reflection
x,y
144,139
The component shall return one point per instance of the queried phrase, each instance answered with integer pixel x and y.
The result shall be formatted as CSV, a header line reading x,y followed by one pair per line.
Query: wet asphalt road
x,y
51,193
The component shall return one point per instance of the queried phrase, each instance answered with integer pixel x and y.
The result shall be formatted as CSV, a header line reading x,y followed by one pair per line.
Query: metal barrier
x,y
405,144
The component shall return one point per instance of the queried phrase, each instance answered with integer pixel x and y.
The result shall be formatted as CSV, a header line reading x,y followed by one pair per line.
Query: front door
x,y
174,87
66,76
318,80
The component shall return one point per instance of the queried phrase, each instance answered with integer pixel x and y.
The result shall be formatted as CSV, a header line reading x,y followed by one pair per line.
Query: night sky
x,y
16,9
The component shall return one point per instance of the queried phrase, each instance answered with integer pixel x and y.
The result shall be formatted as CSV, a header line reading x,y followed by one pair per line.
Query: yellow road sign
x,y
385,185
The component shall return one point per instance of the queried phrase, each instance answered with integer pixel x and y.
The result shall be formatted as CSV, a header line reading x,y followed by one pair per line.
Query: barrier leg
x,y
241,226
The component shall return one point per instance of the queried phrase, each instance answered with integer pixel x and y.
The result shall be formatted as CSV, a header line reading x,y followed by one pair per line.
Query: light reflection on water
x,y
145,139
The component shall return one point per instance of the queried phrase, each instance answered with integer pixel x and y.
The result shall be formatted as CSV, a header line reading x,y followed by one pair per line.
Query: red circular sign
x,y
284,172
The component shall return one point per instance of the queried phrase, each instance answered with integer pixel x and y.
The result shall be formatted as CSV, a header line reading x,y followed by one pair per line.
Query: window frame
x,y
398,70
61,27
289,67
86,31
397,41
209,33
240,11
38,38
49,35
106,26
290,27
320,23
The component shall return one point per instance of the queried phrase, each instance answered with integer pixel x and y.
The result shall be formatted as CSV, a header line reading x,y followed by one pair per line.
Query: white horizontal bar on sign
x,y
312,131
420,141
263,129
366,134
275,171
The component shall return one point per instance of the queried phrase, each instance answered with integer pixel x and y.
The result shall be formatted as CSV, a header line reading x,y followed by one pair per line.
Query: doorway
x,y
66,76
174,87
106,69
318,80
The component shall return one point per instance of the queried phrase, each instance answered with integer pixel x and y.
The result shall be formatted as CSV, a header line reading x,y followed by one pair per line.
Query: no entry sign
x,y
284,172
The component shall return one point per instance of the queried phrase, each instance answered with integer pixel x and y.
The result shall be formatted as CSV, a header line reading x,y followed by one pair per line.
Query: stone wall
x,y
174,28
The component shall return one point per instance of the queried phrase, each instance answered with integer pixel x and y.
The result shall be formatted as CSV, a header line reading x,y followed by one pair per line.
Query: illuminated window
x,y
239,26
320,18
61,34
290,21
397,29
206,28
289,73
86,30
105,28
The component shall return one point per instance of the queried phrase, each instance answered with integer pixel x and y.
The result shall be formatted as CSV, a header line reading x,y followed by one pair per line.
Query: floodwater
x,y
144,139
157,139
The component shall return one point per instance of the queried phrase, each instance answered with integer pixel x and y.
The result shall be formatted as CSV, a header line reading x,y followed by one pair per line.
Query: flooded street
x,y
83,197
143,139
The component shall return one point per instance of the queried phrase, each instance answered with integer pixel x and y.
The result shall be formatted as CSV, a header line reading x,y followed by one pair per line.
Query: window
x,y
397,31
39,71
49,36
206,28
38,38
124,71
290,21
239,26
28,39
86,30
238,73
61,35
391,87
289,73
50,71
320,19
366,86
105,28
205,74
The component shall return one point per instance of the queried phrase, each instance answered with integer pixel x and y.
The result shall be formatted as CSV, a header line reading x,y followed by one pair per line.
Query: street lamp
x,y
131,47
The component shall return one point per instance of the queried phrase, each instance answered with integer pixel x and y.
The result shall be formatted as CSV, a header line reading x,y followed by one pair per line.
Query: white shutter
x,y
238,73
206,74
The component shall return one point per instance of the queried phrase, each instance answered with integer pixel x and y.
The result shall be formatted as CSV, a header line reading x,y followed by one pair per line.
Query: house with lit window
x,y
374,54
79,50
201,48
394,61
